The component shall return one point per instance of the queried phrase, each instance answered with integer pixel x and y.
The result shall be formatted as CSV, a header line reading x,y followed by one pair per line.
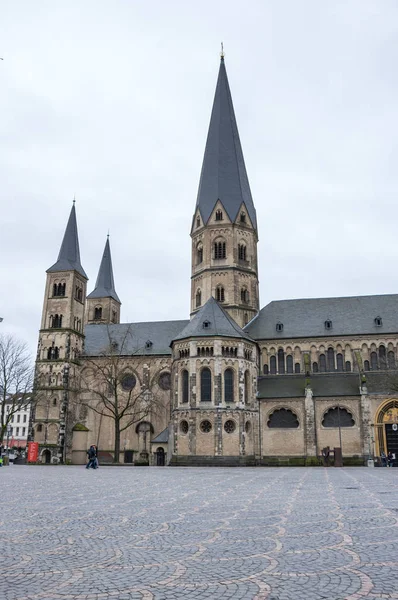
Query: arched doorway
x,y
160,457
46,457
386,429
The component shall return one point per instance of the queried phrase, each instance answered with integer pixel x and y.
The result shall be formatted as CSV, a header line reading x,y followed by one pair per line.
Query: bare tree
x,y
16,379
109,387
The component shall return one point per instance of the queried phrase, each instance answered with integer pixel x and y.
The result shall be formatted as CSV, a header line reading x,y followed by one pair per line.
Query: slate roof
x,y
162,438
223,175
293,386
69,254
105,285
220,324
306,317
132,338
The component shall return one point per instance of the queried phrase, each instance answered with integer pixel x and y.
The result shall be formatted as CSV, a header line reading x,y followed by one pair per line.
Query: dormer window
x,y
242,217
148,344
328,324
206,324
279,327
219,215
378,321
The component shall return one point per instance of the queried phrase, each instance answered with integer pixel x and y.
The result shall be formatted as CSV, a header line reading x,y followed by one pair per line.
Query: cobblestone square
x,y
167,534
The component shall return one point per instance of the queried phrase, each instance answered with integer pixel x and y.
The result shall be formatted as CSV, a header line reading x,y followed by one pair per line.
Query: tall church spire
x,y
223,175
69,254
105,285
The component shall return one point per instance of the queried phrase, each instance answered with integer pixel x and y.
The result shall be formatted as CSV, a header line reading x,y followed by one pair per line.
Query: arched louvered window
x,y
247,387
220,250
315,367
347,365
382,357
373,361
272,364
205,385
289,363
330,359
198,298
244,296
242,251
340,362
322,363
391,360
219,215
366,365
265,369
199,254
220,294
185,386
281,362
98,313
228,385
297,367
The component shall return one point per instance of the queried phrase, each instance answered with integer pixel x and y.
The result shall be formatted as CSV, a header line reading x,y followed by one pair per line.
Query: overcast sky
x,y
111,101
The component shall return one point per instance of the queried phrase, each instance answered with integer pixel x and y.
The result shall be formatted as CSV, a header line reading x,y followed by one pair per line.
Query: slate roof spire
x,y
223,175
69,254
105,285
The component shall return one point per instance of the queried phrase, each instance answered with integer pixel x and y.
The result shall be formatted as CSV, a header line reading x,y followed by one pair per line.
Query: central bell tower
x,y
224,227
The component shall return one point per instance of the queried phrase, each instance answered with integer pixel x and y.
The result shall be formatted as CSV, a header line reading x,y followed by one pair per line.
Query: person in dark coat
x,y
92,457
390,459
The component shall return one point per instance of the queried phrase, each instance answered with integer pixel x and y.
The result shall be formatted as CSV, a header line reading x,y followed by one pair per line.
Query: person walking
x,y
383,459
92,457
390,459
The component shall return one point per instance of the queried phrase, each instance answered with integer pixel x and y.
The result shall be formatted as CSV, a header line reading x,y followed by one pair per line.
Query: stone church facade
x,y
233,385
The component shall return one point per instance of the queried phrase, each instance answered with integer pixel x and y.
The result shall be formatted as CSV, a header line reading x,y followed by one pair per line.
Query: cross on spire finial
x,y
74,199
222,51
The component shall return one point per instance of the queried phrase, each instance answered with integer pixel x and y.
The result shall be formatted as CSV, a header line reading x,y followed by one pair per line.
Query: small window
x,y
98,313
297,367
24,418
148,344
23,431
244,296
339,362
265,369
391,360
184,427
199,254
114,316
198,298
347,365
229,426
205,426
220,294
54,402
40,427
219,215
197,222
373,361
378,321
279,327
128,382
242,217
328,324
206,324
164,381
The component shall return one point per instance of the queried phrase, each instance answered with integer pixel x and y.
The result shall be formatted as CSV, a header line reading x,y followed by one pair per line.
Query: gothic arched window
x,y
220,294
289,363
185,386
228,385
340,362
205,385
272,363
281,361
322,363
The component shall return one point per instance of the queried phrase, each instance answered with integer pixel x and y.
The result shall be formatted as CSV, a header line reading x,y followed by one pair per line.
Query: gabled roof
x,y
162,438
138,339
69,254
306,317
105,285
212,321
223,175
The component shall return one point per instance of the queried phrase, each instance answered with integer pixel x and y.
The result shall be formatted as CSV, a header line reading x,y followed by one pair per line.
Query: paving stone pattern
x,y
174,533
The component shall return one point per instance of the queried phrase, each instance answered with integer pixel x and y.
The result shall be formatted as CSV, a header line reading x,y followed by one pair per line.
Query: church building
x,y
232,385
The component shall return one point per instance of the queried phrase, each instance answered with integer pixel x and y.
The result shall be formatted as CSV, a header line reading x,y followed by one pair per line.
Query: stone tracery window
x,y
333,415
205,426
229,426
283,418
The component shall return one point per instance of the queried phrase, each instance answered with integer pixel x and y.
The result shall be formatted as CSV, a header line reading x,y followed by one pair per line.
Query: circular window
x,y
229,426
248,427
205,426
164,381
128,382
184,427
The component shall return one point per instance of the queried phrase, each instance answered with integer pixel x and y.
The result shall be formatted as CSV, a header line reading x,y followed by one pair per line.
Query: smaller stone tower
x,y
103,304
61,341
214,385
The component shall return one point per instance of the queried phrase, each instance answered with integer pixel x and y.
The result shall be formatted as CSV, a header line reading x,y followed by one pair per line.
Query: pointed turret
x,y
223,175
69,254
105,285
103,304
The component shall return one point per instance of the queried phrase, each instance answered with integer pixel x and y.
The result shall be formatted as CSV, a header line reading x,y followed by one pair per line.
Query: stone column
x,y
366,428
310,424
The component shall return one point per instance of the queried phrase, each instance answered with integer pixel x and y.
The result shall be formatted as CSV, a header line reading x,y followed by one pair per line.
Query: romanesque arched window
x,y
348,365
315,368
56,321
340,362
220,294
322,363
366,365
391,360
219,216
205,385
281,361
283,418
242,252
56,352
55,289
244,296
335,416
98,313
297,367
289,363
330,359
198,298
247,387
197,221
373,361
228,385
185,386
382,357
265,369
199,254
220,250
272,364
